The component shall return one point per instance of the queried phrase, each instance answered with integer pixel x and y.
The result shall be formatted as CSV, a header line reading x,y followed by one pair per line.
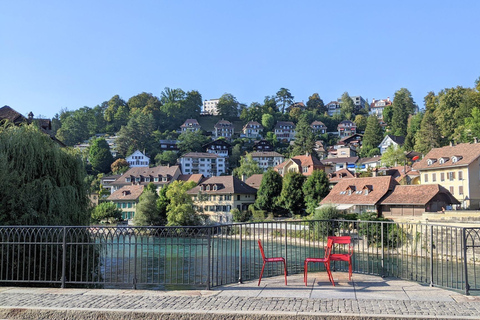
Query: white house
x,y
210,107
208,164
267,159
391,140
138,159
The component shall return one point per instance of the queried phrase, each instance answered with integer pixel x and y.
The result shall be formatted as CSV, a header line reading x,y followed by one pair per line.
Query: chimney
x,y
451,143
244,177
388,99
374,172
475,140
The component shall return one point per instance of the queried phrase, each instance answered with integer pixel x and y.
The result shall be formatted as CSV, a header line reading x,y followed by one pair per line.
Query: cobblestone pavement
x,y
363,298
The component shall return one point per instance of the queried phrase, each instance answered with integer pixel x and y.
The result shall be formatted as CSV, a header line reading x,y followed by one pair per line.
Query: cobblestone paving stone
x,y
232,304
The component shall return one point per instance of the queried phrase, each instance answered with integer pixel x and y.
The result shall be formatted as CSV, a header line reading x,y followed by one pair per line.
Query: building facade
x,y
138,159
210,107
253,130
208,164
285,130
267,159
223,128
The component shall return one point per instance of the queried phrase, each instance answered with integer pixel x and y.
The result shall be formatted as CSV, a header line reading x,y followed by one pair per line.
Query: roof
x,y
217,142
190,123
7,113
416,194
163,171
377,188
304,161
223,124
340,160
356,136
317,123
254,180
251,124
200,155
266,154
466,153
284,123
224,185
369,160
131,192
196,177
347,122
400,140
340,174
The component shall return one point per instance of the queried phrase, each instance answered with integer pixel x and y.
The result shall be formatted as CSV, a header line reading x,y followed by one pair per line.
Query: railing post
x,y
135,263
431,256
383,249
286,247
209,263
240,258
465,261
64,257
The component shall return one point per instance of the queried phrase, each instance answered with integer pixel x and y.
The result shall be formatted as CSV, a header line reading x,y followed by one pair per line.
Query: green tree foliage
x,y
228,106
100,156
269,191
116,113
75,126
316,103
146,213
177,106
427,137
291,196
402,106
106,211
284,97
304,139
162,204
270,105
413,126
166,158
252,113
361,122
247,168
393,156
119,166
234,159
192,141
180,210
41,183
430,101
372,138
137,134
388,114
347,107
268,121
315,188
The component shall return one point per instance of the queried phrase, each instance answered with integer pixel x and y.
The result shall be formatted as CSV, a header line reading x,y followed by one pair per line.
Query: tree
x,y
284,97
228,106
316,103
402,106
137,134
472,126
269,191
247,168
162,204
268,121
166,158
41,183
119,166
292,197
116,113
304,139
393,156
106,211
191,141
427,137
372,138
146,213
100,156
413,126
315,188
347,107
180,210
360,122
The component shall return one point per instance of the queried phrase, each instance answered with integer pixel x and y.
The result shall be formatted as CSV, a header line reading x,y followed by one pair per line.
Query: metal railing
x,y
191,257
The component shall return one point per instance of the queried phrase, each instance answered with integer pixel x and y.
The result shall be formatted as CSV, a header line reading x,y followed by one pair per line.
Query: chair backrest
x,y
328,248
261,249
343,240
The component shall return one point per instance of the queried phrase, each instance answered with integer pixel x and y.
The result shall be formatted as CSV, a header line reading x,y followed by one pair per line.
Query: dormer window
x,y
442,160
431,161
456,158
164,179
208,188
147,179
128,179
155,179
215,187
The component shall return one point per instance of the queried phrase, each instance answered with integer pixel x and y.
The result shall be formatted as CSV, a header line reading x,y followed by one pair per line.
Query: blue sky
x,y
58,55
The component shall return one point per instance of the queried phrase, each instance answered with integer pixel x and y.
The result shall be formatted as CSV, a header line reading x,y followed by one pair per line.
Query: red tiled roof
x,y
254,181
225,185
131,192
163,171
340,174
416,194
266,154
468,152
200,155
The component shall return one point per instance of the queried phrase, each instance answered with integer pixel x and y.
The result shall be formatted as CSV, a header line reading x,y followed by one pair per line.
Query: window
x,y
137,179
460,190
127,180
434,177
155,179
460,175
129,205
425,177
452,190
442,176
451,175
147,179
238,197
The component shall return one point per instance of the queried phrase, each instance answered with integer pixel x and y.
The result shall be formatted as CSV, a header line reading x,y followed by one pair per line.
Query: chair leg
x,y
261,273
350,269
329,273
305,272
285,270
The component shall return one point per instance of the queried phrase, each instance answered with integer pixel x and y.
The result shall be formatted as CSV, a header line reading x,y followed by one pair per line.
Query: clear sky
x,y
58,55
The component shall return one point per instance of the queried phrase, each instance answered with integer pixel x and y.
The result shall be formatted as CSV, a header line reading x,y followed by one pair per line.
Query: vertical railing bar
x,y
465,262
209,257
64,256
431,256
240,256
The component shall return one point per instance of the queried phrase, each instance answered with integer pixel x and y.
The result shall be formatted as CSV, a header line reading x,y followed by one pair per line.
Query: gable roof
x,y
284,123
340,160
466,153
190,123
223,124
266,154
416,194
317,123
7,113
196,177
131,192
163,171
200,155
255,180
253,124
340,175
377,187
224,185
304,161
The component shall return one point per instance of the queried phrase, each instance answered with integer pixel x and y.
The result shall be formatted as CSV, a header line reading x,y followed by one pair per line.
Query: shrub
x,y
393,235
240,216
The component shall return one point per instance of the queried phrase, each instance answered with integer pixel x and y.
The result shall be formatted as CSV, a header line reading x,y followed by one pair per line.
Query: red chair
x,y
325,260
265,260
347,257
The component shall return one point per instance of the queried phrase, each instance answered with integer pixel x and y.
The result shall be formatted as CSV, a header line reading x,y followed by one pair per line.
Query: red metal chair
x,y
325,260
347,257
265,260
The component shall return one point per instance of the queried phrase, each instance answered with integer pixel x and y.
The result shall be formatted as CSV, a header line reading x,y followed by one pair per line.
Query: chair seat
x,y
340,257
316,260
276,259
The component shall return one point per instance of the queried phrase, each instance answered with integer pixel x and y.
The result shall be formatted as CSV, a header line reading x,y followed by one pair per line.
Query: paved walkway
x,y
365,297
